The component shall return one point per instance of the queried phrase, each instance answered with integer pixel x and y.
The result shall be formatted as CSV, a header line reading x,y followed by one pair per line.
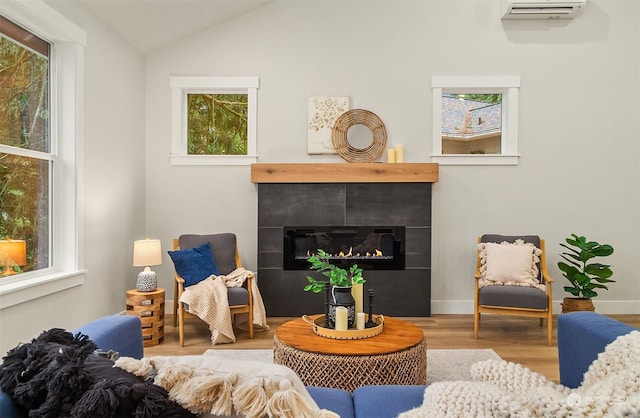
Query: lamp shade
x,y
147,252
13,252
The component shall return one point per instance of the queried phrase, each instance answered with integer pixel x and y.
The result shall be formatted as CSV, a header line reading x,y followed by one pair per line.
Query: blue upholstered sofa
x,y
581,336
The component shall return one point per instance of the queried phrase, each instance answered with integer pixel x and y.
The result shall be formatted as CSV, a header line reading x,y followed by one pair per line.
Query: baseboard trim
x,y
611,307
616,307
462,307
168,307
451,307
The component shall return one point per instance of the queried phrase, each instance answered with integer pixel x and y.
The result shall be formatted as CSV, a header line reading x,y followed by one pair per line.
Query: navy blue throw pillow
x,y
194,264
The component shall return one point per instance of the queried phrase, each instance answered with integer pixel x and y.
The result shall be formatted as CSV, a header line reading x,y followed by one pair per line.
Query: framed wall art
x,y
323,112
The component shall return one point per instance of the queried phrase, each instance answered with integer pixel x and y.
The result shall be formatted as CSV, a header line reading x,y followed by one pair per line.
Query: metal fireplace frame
x,y
393,236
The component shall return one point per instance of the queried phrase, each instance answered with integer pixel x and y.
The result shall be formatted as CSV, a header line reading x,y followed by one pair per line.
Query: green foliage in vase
x,y
585,276
340,277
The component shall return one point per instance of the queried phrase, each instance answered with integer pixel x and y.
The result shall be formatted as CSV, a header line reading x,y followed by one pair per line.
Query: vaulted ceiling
x,y
150,24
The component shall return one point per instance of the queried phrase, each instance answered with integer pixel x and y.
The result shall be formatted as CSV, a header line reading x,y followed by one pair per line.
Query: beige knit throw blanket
x,y
208,300
212,387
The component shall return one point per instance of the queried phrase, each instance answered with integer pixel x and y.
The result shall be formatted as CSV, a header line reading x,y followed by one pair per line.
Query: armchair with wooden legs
x,y
515,300
227,258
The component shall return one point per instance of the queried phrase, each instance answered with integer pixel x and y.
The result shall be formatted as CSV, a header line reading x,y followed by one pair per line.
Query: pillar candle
x,y
399,149
356,292
341,318
391,155
360,320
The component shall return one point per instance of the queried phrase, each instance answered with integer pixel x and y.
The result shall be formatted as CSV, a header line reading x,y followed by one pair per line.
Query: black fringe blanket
x,y
57,375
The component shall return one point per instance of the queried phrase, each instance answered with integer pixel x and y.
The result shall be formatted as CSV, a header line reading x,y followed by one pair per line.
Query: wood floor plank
x,y
515,339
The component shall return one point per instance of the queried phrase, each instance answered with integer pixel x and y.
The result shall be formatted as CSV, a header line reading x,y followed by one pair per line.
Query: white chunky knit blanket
x,y
610,388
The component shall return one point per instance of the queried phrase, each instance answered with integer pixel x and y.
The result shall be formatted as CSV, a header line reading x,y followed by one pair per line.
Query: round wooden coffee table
x,y
398,356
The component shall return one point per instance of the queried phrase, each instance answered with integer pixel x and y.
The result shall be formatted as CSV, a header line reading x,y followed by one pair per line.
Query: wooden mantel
x,y
344,173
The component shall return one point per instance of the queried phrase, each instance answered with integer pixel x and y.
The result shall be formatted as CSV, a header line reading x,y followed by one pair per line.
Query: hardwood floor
x,y
515,339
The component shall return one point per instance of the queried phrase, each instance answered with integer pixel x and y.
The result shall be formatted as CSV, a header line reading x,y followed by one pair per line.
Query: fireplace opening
x,y
371,247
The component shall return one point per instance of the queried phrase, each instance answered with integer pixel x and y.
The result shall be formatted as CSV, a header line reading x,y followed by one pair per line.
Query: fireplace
x,y
307,201
371,247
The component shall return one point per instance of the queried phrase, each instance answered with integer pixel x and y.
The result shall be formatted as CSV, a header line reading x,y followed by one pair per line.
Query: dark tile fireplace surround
x,y
345,194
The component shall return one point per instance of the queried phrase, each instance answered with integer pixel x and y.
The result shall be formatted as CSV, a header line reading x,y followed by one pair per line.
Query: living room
x,y
577,170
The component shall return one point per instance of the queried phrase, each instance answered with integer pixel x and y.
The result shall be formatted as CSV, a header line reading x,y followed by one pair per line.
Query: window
x,y
471,123
214,120
475,120
26,160
41,58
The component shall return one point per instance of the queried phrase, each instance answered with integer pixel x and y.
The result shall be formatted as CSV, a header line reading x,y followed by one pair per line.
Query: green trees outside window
x,y
25,159
217,124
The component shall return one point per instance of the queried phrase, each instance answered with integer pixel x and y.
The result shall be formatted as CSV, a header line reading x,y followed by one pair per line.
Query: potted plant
x,y
338,277
340,280
583,273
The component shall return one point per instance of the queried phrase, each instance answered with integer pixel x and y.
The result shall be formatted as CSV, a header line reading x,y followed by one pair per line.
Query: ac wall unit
x,y
542,9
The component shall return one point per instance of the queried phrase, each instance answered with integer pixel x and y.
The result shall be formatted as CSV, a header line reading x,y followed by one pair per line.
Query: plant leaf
x,y
584,276
574,291
603,250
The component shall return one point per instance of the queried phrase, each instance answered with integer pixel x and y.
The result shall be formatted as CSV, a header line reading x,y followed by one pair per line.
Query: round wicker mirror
x,y
347,151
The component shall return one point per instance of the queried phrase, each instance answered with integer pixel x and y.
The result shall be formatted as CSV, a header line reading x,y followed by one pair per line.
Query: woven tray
x,y
350,334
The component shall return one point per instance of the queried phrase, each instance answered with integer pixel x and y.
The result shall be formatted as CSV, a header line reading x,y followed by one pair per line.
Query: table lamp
x,y
147,252
13,252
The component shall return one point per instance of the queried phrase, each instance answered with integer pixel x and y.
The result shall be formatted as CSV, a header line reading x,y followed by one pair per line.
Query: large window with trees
x,y
41,82
26,158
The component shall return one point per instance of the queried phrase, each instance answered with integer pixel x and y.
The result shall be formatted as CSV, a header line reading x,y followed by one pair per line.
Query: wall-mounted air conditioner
x,y
542,9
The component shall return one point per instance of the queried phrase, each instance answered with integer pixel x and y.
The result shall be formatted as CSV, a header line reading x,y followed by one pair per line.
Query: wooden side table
x,y
149,307
398,356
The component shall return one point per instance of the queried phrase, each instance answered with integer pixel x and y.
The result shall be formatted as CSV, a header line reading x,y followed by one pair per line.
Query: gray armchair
x,y
515,300
225,251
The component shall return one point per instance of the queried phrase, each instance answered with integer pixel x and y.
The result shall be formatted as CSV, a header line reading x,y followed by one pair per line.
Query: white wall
x,y
579,140
112,190
579,137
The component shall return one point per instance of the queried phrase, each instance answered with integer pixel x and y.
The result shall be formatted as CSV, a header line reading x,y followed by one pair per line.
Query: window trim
x,y
509,87
183,85
67,81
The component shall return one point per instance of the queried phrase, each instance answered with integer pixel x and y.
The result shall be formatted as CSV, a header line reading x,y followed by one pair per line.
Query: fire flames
x,y
350,254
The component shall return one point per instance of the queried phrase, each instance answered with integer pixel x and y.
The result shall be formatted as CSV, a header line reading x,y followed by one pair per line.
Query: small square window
x,y
471,124
217,124
214,120
475,120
